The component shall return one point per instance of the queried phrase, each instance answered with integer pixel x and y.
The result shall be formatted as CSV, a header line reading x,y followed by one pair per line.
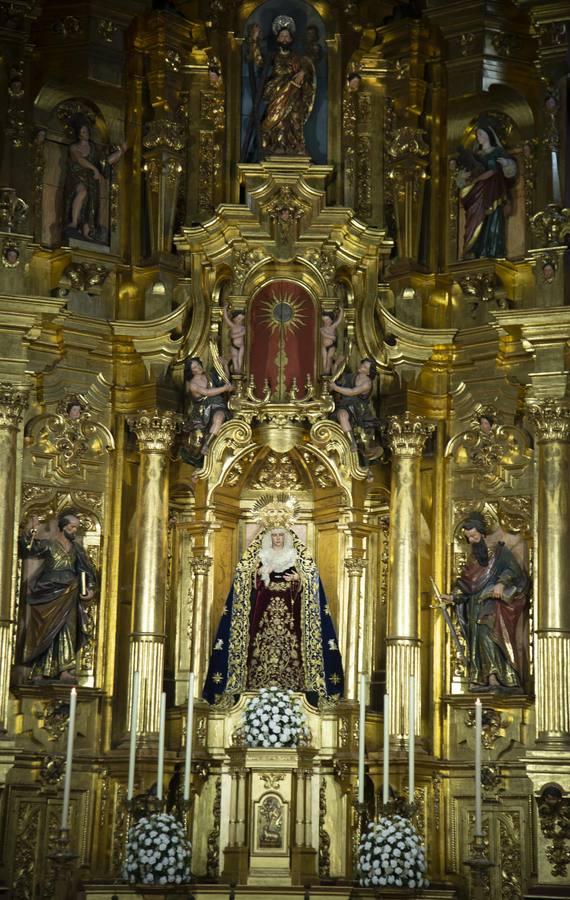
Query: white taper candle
x,y
386,759
478,740
161,736
133,736
361,738
189,728
69,759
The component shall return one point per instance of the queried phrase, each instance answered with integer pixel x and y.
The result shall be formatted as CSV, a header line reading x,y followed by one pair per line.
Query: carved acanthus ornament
x,y
167,133
285,209
13,401
554,816
213,859
355,566
408,141
88,277
493,458
201,565
53,718
13,210
494,725
243,261
551,419
68,445
552,224
155,430
324,836
278,472
325,261
407,434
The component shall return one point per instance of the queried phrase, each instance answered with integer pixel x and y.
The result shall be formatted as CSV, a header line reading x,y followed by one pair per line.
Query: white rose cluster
x,y
391,855
274,719
158,852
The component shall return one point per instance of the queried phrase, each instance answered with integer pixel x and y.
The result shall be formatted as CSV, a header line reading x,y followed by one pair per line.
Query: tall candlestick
x,y
386,759
133,742
189,727
161,733
362,738
69,759
412,739
478,739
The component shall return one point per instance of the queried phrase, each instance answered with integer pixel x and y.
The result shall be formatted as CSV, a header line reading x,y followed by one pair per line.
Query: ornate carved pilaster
x,y
551,419
408,174
164,145
155,432
355,567
406,435
12,404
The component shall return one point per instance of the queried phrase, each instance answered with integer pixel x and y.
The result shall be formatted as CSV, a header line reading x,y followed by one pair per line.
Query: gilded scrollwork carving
x,y
554,817
493,454
552,224
13,402
87,277
242,262
163,132
53,718
278,472
52,768
272,780
325,261
68,442
494,725
324,836
155,430
213,858
407,434
551,420
284,209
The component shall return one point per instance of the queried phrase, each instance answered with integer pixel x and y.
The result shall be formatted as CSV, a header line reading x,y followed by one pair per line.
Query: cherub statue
x,y
329,340
236,324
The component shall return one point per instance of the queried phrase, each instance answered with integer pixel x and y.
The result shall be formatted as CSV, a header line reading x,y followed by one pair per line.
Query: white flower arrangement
x,y
275,719
158,852
391,855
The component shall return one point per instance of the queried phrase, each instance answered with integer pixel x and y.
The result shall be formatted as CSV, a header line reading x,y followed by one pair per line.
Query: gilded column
x,y
12,404
201,619
355,569
407,435
552,626
155,432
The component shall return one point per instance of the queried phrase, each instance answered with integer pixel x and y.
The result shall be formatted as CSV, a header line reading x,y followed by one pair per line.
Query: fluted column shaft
x,y
552,625
12,404
407,435
155,432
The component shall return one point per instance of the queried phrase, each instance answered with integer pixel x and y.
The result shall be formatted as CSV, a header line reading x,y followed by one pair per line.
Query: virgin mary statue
x,y
276,629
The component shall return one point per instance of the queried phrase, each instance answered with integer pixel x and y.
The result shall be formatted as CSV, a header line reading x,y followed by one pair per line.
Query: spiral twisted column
x,y
551,420
13,401
155,433
407,435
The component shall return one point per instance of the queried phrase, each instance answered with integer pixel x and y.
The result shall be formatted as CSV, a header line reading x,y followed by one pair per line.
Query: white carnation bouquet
x,y
391,855
158,852
274,718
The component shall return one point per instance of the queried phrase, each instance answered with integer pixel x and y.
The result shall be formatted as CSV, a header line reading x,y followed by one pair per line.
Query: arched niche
x,y
306,17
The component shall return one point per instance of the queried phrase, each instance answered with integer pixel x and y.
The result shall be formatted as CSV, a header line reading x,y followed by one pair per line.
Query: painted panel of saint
x,y
284,83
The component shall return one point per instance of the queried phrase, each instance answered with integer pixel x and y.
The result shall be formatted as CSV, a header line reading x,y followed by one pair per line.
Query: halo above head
x,y
283,22
276,510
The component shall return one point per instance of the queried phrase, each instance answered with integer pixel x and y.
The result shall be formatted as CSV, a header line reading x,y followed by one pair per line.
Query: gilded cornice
x,y
413,347
152,338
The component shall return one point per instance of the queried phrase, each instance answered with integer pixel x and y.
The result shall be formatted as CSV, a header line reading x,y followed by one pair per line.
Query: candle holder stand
x,y
63,860
398,806
361,821
479,865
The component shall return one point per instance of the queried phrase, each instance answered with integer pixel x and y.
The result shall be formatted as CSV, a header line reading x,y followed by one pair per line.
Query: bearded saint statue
x,y
276,629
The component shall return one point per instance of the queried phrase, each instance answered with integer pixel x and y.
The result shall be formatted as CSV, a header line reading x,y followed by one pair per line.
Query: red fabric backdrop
x,y
288,299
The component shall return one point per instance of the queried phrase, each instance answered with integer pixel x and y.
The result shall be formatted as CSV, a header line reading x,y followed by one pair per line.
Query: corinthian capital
x,y
407,434
155,430
355,566
13,401
201,565
551,419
